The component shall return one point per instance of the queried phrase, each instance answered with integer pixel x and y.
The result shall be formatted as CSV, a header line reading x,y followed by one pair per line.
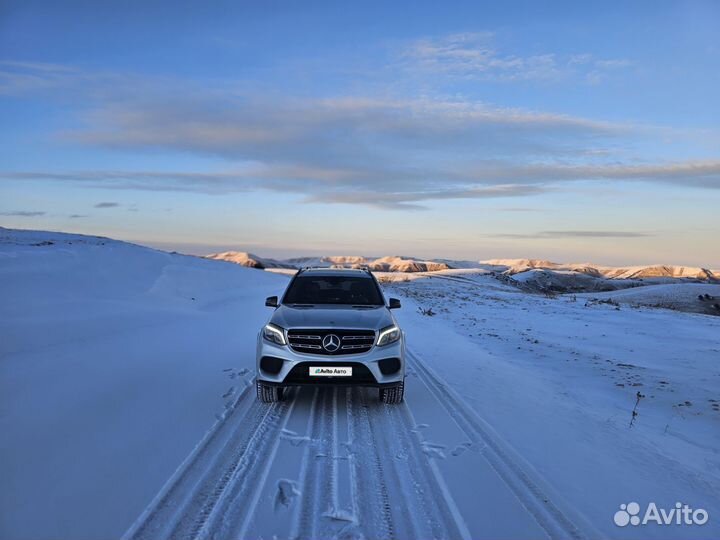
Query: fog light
x,y
270,364
388,366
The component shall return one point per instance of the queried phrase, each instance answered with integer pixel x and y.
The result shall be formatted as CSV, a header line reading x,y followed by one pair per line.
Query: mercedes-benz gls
x,y
332,327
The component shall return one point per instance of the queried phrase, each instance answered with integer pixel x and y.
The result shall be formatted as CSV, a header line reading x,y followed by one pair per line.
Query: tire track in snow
x,y
434,508
373,500
308,473
232,511
318,481
392,492
193,493
364,472
410,501
510,468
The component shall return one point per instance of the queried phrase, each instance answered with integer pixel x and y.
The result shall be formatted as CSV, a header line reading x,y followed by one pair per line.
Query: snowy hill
x,y
518,266
558,274
402,264
691,297
341,260
114,360
521,264
562,280
382,264
558,377
248,259
661,271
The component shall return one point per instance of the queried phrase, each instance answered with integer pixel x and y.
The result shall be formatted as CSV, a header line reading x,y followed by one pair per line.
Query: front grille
x,y
348,342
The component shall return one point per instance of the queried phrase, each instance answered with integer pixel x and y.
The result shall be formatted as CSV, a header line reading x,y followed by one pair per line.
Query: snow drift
x,y
114,361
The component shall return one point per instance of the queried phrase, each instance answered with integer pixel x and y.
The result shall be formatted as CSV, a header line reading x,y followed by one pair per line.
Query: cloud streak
x,y
375,189
476,56
23,213
385,152
342,132
554,235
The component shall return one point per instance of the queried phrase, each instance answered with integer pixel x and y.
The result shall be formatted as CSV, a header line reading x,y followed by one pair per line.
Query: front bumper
x,y
366,368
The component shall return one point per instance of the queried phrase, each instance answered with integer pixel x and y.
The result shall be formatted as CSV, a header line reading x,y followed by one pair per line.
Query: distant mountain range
x,y
518,266
381,264
248,259
509,267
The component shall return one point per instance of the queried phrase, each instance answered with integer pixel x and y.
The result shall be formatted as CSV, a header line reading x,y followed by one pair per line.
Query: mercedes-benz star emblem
x,y
331,343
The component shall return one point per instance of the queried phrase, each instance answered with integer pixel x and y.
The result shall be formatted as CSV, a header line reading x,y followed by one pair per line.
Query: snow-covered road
x,y
336,463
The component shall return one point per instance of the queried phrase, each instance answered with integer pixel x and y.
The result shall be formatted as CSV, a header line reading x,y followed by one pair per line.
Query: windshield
x,y
360,291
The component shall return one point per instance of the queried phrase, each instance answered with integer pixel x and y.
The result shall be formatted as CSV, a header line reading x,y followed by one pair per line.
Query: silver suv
x,y
332,327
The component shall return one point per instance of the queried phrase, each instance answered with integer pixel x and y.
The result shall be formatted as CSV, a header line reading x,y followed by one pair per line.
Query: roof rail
x,y
362,267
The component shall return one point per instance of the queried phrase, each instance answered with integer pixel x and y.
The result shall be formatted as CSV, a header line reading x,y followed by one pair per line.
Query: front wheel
x,y
393,394
268,393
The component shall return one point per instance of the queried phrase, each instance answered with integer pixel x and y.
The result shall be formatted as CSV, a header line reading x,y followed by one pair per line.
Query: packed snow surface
x,y
128,409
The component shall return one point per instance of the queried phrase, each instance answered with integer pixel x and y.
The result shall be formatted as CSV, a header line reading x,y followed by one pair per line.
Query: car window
x,y
333,290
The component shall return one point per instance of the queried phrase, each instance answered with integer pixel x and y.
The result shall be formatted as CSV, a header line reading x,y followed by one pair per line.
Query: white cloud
x,y
387,152
477,56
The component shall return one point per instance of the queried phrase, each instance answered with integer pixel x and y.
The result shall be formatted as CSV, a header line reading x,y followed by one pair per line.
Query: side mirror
x,y
394,303
271,301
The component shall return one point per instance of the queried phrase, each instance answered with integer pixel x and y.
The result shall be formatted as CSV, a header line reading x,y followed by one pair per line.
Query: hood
x,y
332,316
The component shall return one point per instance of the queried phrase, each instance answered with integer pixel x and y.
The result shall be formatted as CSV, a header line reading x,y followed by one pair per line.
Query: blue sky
x,y
576,131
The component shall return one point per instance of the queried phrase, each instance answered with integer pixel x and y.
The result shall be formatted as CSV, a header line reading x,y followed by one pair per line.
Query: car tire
x,y
393,394
268,393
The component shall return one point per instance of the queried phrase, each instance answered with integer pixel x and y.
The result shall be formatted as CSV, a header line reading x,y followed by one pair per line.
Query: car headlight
x,y
274,333
388,335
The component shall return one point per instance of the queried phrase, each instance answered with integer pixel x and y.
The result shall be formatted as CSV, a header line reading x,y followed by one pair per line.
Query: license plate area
x,y
330,371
